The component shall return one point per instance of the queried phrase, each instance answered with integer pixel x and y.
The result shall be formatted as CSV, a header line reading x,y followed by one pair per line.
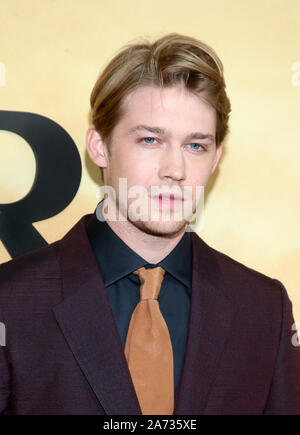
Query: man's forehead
x,y
152,106
155,93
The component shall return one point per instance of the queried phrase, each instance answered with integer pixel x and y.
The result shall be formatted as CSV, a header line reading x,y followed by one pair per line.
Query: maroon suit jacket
x,y
63,353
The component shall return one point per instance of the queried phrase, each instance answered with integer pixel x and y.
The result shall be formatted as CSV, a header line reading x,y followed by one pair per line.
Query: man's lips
x,y
168,197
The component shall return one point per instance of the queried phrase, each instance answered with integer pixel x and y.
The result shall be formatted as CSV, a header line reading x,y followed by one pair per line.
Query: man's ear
x,y
96,147
217,158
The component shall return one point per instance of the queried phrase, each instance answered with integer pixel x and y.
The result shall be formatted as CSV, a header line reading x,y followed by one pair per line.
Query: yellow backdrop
x,y
51,54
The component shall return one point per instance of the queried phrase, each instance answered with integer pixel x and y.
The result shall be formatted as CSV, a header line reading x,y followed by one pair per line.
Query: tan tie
x,y
148,348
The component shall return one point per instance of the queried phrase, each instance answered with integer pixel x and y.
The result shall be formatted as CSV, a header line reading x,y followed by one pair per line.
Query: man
x,y
131,312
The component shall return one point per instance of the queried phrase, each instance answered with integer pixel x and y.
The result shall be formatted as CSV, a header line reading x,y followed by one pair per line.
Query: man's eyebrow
x,y
140,127
159,130
201,136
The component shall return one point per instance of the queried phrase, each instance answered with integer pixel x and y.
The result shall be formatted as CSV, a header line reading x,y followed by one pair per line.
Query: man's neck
x,y
153,248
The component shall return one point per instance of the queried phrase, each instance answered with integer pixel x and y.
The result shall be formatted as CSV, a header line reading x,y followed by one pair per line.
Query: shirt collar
x,y
116,259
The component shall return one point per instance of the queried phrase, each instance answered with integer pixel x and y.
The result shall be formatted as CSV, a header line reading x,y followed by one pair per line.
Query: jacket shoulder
x,y
231,266
38,265
239,279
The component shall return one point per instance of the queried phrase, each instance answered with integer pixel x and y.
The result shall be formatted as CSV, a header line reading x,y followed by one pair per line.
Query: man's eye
x,y
149,140
196,146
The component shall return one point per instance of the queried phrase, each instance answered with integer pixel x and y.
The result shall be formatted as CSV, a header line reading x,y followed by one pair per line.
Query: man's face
x,y
165,144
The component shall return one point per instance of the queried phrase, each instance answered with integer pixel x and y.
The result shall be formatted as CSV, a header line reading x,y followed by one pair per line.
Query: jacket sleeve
x,y
284,397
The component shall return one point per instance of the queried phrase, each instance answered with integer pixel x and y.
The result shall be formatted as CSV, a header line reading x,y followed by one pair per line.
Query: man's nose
x,y
172,164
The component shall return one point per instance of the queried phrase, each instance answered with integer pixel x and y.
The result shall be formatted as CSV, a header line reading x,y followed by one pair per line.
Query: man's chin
x,y
160,228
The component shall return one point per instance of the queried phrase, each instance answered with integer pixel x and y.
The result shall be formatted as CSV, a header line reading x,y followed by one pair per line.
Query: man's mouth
x,y
169,197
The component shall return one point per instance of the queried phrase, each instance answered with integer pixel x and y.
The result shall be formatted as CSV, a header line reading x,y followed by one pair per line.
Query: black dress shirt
x,y
117,262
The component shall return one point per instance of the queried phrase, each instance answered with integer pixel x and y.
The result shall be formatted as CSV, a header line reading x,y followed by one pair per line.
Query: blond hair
x,y
172,60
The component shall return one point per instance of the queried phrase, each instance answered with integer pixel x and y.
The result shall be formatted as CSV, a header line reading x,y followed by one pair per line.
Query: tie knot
x,y
151,280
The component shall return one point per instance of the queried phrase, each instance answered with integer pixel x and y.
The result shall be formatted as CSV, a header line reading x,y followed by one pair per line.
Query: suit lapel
x,y
211,315
86,320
